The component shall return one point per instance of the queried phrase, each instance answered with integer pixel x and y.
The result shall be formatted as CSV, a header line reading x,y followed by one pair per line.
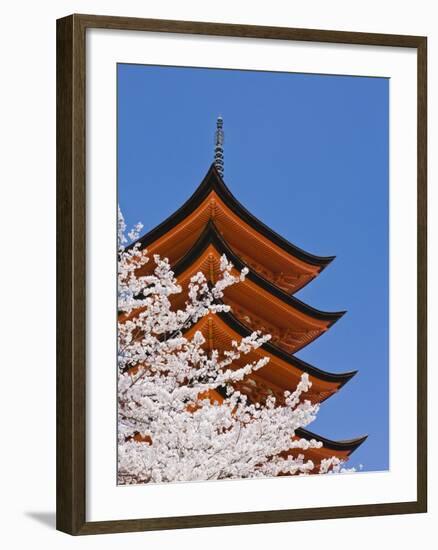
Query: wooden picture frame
x,y
71,273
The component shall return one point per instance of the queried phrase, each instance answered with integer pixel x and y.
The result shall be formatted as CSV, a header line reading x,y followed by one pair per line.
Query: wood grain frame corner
x,y
71,270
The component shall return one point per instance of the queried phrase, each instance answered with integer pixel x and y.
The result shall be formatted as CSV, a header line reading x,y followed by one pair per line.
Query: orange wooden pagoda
x,y
211,223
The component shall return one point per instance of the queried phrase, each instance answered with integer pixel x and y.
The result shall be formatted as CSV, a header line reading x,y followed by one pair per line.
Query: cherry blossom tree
x,y
180,416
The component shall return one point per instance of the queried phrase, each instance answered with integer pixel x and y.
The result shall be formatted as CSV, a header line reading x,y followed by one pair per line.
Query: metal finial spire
x,y
219,146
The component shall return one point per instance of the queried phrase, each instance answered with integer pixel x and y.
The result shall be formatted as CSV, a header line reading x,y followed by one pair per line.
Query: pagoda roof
x,y
211,236
243,331
283,371
340,449
290,265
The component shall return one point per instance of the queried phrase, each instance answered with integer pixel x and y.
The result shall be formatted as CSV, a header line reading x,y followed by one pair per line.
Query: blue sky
x,y
308,155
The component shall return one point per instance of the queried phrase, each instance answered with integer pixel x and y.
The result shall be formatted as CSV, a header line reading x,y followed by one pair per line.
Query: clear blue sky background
x,y
308,155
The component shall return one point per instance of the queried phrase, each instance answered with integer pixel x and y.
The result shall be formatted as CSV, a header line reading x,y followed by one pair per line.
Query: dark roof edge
x,y
210,235
344,445
341,378
213,181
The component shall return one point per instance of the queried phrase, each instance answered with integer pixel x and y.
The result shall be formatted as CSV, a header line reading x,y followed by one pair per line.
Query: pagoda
x,y
212,222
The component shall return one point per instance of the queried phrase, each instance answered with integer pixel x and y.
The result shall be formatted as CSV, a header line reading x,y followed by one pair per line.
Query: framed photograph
x,y
241,274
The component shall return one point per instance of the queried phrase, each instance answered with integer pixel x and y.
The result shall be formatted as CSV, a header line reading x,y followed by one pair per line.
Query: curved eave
x,y
210,235
348,445
242,330
213,182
